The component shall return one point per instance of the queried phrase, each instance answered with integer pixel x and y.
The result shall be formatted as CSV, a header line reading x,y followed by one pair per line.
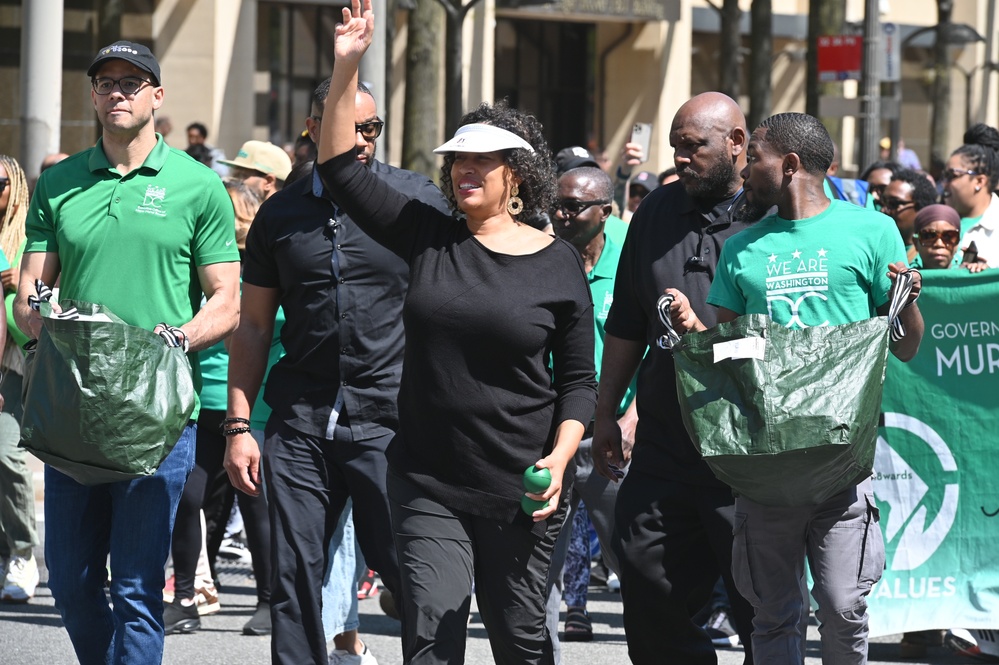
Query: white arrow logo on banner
x,y
918,542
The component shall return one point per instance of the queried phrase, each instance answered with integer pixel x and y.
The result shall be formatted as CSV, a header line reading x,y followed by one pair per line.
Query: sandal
x,y
578,627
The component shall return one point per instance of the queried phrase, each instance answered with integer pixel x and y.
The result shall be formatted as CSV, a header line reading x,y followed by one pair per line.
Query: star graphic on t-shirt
x,y
796,254
773,258
822,252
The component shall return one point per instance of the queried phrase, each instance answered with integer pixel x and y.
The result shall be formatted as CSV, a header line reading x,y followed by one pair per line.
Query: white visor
x,y
478,137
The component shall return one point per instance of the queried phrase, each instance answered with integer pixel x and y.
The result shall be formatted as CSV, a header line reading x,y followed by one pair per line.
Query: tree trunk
x,y
423,65
731,47
825,17
453,93
941,85
760,59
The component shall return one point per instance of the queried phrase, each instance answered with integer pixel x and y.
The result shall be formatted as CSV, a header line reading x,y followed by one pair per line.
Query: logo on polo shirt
x,y
152,202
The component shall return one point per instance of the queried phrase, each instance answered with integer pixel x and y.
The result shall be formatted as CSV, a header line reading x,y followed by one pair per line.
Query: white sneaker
x,y
613,583
20,581
341,657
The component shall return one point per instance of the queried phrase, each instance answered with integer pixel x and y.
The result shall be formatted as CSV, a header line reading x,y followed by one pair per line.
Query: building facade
x,y
589,69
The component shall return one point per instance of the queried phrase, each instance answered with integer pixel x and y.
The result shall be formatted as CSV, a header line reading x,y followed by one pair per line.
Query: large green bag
x,y
784,417
103,400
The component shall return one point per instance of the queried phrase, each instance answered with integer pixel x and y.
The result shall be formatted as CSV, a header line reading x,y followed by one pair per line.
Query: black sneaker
x,y
179,618
260,622
720,629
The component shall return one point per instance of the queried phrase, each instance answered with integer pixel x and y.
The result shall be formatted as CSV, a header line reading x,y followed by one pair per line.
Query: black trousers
x,y
201,492
672,541
308,481
442,552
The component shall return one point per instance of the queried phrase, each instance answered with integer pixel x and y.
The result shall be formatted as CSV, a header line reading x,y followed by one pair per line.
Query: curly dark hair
x,y
981,151
923,191
536,170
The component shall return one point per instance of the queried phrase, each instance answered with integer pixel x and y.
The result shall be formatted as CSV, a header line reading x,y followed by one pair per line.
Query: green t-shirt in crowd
x,y
830,269
261,410
601,279
133,243
616,229
215,376
15,333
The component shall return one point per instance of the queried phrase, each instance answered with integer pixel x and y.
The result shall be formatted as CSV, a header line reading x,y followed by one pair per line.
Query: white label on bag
x,y
747,347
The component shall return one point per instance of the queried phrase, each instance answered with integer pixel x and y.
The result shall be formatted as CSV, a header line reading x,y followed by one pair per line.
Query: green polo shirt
x,y
616,228
133,243
601,279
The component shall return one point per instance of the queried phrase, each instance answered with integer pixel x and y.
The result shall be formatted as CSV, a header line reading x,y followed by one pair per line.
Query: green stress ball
x,y
530,506
536,480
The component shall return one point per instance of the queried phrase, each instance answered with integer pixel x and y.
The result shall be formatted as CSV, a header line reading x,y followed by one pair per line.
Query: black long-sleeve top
x,y
479,400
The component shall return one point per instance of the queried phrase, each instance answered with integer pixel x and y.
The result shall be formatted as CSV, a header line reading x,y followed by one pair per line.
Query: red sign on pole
x,y
839,57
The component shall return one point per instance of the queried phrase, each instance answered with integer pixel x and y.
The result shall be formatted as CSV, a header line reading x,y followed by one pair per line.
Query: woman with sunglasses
x,y
937,230
498,373
969,182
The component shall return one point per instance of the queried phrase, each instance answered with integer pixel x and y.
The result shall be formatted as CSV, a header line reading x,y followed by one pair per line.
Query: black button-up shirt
x,y
343,327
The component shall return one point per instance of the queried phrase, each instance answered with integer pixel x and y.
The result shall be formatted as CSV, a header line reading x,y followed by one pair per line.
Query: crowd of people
x,y
379,359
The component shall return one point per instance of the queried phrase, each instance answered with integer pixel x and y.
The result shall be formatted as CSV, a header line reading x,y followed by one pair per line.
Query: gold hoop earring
x,y
514,204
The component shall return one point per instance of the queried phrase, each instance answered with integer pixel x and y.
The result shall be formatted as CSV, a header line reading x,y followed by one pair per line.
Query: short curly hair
x,y
536,170
923,192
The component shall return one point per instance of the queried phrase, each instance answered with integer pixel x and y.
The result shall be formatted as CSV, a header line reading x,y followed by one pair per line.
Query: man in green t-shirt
x,y
815,263
144,230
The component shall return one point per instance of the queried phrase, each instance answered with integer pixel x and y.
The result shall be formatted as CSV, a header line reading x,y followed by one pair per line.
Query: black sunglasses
x,y
3,184
891,203
369,130
572,207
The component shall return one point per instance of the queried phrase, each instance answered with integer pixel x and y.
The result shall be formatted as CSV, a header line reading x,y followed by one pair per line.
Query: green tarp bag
x,y
784,417
104,401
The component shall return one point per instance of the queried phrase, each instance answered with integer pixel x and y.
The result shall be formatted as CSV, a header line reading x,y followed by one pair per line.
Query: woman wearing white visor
x,y
498,372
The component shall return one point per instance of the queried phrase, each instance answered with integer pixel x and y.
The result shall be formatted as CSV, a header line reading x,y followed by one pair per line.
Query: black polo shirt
x,y
667,230
344,332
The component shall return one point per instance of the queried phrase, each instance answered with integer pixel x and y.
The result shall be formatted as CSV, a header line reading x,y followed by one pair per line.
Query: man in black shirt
x,y
673,518
333,394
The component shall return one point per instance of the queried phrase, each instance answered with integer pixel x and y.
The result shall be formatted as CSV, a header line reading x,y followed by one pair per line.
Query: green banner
x,y
937,465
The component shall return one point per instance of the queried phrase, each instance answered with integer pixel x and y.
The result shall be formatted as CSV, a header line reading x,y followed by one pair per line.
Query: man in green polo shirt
x,y
582,219
144,230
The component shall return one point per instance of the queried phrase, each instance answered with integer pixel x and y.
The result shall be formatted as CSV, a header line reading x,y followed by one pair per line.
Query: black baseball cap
x,y
574,157
137,54
646,179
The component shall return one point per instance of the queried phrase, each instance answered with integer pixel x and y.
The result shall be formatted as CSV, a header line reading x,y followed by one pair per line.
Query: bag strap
x,y
44,294
899,296
670,339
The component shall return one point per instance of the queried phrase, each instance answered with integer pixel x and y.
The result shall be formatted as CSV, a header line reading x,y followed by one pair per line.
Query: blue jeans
x,y
345,566
132,521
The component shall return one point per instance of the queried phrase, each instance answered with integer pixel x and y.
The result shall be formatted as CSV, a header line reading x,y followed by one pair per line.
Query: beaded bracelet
x,y
232,421
236,430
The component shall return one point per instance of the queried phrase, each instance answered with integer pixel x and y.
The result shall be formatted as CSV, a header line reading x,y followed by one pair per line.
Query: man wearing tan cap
x,y
262,166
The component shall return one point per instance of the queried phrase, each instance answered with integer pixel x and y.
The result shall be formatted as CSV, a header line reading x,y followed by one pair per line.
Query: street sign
x,y
838,107
839,57
891,56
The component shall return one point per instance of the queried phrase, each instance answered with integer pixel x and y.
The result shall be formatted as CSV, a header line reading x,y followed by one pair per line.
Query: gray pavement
x,y
32,634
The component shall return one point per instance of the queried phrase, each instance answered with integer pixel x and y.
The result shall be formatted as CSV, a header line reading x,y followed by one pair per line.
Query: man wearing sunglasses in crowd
x,y
333,394
907,193
582,218
139,227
